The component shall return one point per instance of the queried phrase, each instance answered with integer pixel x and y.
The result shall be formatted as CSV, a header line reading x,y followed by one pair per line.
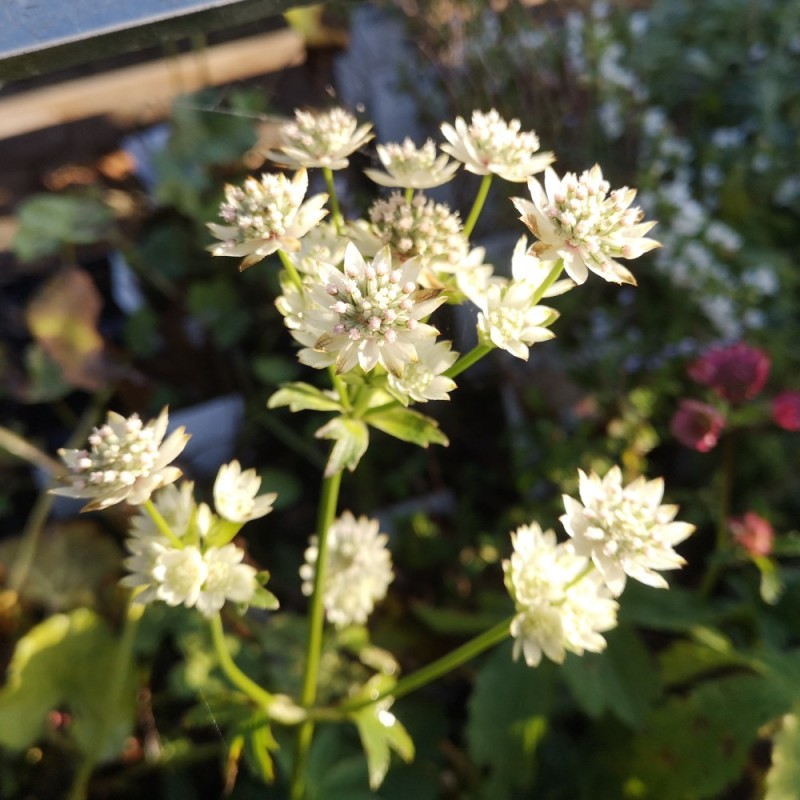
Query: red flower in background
x,y
697,425
753,533
786,410
736,373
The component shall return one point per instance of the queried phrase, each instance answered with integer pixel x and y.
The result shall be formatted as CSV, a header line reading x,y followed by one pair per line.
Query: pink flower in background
x,y
786,410
753,533
697,425
736,373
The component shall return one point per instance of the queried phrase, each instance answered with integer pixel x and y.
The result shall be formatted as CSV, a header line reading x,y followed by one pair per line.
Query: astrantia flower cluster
x,y
266,215
489,145
182,553
578,219
410,167
560,605
126,461
358,572
564,592
320,140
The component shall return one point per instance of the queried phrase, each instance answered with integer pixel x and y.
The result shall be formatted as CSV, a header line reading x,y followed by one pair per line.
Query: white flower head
x,y
325,139
529,268
226,579
179,574
491,146
422,380
264,216
420,228
579,220
126,461
624,529
359,569
410,167
561,605
323,243
235,494
368,313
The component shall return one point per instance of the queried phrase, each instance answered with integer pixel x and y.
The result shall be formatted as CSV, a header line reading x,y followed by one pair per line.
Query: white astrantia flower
x,y
624,529
366,314
579,220
180,574
410,167
126,461
266,215
422,229
359,569
422,380
226,579
510,317
527,267
323,139
491,146
561,605
235,494
175,504
323,243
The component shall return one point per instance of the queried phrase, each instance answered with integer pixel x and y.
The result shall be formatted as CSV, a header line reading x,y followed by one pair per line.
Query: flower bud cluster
x,y
410,167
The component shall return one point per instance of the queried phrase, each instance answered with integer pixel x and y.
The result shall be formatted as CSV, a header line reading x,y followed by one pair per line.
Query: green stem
x,y
336,212
161,523
549,280
447,663
340,386
477,206
467,360
291,269
259,696
409,195
327,512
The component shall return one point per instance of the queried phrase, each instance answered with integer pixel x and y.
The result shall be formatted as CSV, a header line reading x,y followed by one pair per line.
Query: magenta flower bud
x,y
753,533
697,425
736,373
786,410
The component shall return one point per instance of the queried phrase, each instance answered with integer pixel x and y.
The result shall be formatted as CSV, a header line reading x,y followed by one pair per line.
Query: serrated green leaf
x,y
697,744
622,680
381,733
407,425
783,778
683,661
352,440
67,661
508,713
304,397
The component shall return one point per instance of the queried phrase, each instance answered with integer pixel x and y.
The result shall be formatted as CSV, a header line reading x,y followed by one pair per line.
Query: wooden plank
x,y
144,92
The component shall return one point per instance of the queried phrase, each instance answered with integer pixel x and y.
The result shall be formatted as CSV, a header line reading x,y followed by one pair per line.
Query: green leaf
x,y
684,661
676,610
67,660
783,778
453,622
304,397
508,713
622,680
352,439
218,306
696,745
258,744
407,425
48,221
381,732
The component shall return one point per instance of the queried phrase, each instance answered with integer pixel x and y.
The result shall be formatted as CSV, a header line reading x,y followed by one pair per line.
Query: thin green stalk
x,y
161,523
409,194
447,663
241,681
338,221
327,512
551,278
291,269
340,386
477,206
22,448
467,360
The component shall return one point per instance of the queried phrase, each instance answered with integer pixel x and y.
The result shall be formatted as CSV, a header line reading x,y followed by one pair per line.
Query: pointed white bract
x,y
235,494
561,604
581,220
489,145
410,167
126,461
358,573
320,140
625,530
266,215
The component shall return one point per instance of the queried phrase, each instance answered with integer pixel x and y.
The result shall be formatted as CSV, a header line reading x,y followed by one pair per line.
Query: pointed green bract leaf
x,y
408,425
258,743
352,439
783,778
304,397
381,732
